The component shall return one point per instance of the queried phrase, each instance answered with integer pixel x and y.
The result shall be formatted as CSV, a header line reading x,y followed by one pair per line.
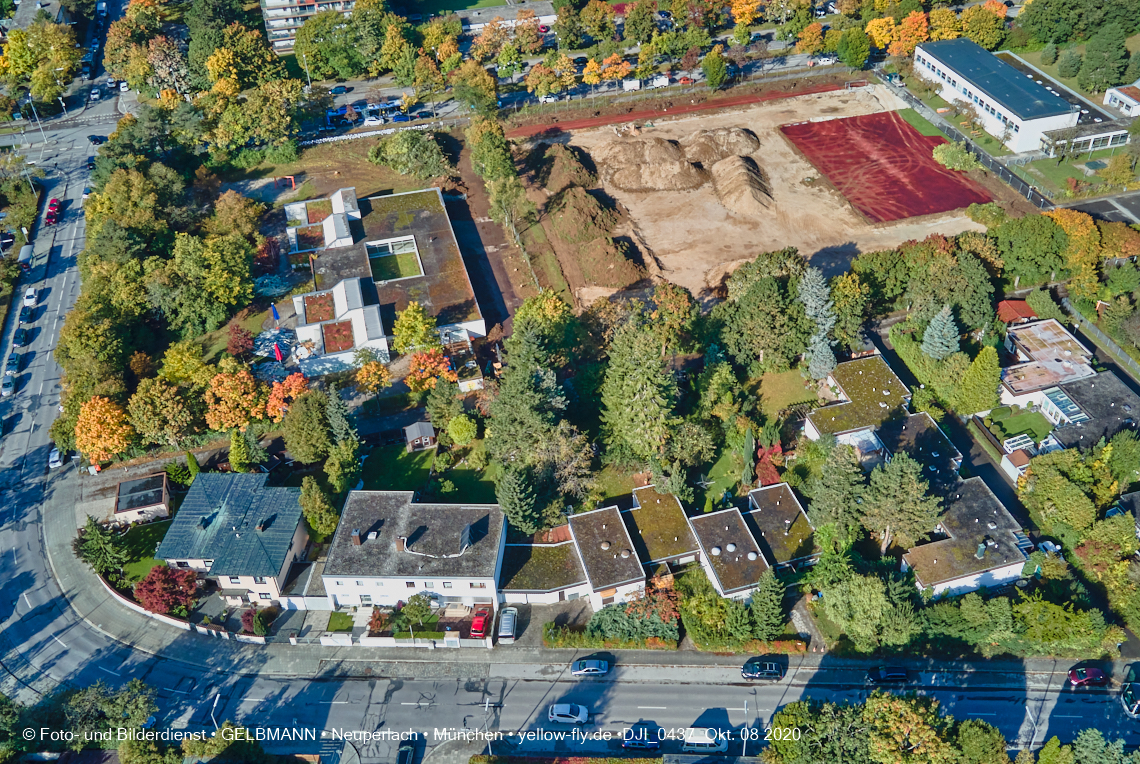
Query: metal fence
x,y
437,124
1088,327
1016,182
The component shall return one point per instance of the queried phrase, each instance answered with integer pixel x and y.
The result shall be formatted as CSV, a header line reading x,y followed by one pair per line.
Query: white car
x,y
589,668
568,713
95,94
548,99
30,297
373,121
124,87
55,461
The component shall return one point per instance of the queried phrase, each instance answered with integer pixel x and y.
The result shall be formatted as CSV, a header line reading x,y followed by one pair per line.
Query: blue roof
x,y
1005,86
234,520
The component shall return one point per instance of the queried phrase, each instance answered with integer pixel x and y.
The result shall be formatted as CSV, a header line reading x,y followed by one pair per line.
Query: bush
x,y
554,635
178,473
1044,306
989,214
955,156
412,152
1069,64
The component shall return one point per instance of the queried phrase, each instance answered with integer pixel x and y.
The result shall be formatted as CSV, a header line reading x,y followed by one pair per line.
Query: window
x,y
365,599
182,564
446,584
340,583
265,596
429,585
235,579
259,579
478,586
607,600
410,584
209,564
358,584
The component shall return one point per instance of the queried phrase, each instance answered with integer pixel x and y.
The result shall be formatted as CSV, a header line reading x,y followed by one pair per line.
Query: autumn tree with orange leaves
x,y
373,377
996,7
745,11
102,431
913,30
615,68
427,367
233,400
811,39
284,393
1083,254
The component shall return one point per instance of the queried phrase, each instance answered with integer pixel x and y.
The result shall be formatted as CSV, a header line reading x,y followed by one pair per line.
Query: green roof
x,y
657,526
540,568
873,392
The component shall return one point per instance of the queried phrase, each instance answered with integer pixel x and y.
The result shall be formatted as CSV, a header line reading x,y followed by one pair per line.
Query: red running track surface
x,y
883,166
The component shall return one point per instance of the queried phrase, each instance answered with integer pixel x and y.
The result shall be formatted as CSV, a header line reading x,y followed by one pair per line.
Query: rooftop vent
x,y
372,535
981,551
992,525
625,554
355,537
731,547
752,555
715,551
605,545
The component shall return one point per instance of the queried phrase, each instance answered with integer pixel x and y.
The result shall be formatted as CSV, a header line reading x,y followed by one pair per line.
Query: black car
x,y
338,90
7,239
887,675
406,754
20,338
758,668
26,315
95,140
581,61
642,737
90,163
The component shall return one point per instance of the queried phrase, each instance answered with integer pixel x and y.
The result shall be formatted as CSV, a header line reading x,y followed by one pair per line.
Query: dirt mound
x,y
648,164
557,167
578,217
606,263
741,186
710,146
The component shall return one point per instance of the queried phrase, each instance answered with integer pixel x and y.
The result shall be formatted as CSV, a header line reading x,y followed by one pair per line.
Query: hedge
x,y
554,635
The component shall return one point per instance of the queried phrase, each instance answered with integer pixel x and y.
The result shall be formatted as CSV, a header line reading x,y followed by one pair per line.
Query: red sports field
x,y
883,166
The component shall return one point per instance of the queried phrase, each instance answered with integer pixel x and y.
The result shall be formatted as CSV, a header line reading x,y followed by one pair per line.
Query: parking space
x,y
1124,209
532,617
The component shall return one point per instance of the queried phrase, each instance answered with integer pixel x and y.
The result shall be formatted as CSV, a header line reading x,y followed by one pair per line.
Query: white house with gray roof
x,y
236,531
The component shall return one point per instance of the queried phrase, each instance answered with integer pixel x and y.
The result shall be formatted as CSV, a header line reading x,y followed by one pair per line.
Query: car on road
x,y
828,61
401,118
1087,676
90,163
86,192
758,668
55,461
548,99
51,218
479,623
26,315
96,140
686,81
338,90
543,29
887,675
53,204
8,386
96,94
124,87
30,297
568,713
12,367
111,85
373,121
407,753
20,338
581,61
641,737
589,667
7,239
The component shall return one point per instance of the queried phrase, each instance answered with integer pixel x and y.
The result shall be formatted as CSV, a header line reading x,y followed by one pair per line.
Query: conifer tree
x,y
978,390
816,298
339,418
516,498
637,395
940,340
835,492
239,451
767,605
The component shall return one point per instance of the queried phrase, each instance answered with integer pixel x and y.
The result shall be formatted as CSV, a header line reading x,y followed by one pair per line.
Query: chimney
x,y
262,525
355,537
401,544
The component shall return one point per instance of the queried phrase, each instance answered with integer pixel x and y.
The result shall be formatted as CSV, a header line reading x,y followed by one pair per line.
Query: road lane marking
x,y
109,671
332,702
651,708
245,700
1062,716
28,601
57,639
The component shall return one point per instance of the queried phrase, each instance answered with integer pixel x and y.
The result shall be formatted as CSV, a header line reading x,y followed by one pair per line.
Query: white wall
x,y
507,597
142,514
966,584
346,591
1024,400
622,594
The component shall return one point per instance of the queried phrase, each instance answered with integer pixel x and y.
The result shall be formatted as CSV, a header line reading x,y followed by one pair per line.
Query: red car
x,y
51,219
543,29
53,204
1087,677
687,81
479,623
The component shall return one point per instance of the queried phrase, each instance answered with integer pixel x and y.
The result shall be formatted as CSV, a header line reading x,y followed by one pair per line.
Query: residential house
x,y
388,548
977,544
730,555
142,499
1125,99
1047,355
419,436
660,531
781,528
332,325
869,394
545,571
1014,312
923,440
235,530
606,552
1090,409
1015,464
284,17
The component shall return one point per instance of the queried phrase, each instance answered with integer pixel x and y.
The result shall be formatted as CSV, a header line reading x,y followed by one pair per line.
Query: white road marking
x,y
109,671
27,600
57,639
1061,716
332,702
653,708
244,700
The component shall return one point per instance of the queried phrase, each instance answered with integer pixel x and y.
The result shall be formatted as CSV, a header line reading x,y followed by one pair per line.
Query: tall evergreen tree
x,y
835,492
940,340
239,451
529,403
517,500
767,605
100,548
820,357
816,298
638,394
340,420
306,427
978,390
1106,58
897,503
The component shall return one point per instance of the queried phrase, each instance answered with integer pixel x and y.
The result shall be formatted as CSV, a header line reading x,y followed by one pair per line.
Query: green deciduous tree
x,y
414,330
715,68
462,429
981,743
1032,248
854,47
897,503
161,413
328,44
412,152
640,21
342,467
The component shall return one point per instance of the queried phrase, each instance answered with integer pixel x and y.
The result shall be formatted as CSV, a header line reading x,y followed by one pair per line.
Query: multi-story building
x,y
284,17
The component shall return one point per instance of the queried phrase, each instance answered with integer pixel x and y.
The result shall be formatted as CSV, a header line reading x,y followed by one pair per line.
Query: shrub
x,y
166,589
955,156
1069,64
989,214
412,153
256,622
1049,54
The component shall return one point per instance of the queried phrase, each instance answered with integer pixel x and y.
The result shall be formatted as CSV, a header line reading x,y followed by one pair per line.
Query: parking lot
x,y
1124,209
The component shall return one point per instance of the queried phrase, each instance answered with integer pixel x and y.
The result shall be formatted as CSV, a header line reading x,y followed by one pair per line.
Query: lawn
x,y
340,621
614,484
723,475
392,468
1029,423
382,405
782,390
1055,175
1034,58
920,123
471,485
402,265
141,543
422,630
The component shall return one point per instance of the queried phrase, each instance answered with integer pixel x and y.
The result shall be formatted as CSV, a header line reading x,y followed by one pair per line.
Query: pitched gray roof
x,y
419,430
234,520
460,540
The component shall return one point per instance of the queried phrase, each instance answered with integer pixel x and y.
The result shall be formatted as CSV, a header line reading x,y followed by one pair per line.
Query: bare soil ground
x,y
698,242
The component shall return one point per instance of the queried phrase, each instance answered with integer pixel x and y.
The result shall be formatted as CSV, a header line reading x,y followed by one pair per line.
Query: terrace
x,y
392,260
337,337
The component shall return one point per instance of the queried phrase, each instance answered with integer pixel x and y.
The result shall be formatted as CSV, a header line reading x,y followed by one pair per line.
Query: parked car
x,y
51,219
26,315
12,367
543,29
1087,676
508,624
407,753
7,239
30,297
96,140
53,204
8,386
338,90
479,623
758,668
581,61
589,668
687,81
401,118
373,121
124,87
568,713
20,338
641,737
548,99
96,94
90,163
55,461
887,675
86,192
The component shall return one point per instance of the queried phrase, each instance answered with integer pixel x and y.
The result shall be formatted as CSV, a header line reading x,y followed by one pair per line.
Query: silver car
x,y
589,668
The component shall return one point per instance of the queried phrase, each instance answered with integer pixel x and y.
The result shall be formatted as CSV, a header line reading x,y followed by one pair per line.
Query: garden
x,y
318,307
1010,421
398,265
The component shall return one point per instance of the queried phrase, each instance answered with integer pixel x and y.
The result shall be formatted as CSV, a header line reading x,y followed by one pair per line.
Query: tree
x,y
673,314
906,729
516,498
913,30
159,412
1119,171
745,12
715,68
100,548
182,365
978,390
767,605
568,28
373,377
239,340
1049,54
239,452
982,26
167,590
1106,59
1055,753
940,340
881,31
1069,64
1083,251
981,743
102,430
412,152
944,25
637,395
329,46
811,39
342,468
33,55
640,21
955,156
854,48
414,329
836,492
897,504
283,393
234,399
306,427
819,308
462,430
426,368
529,402
851,300
598,20
316,507
417,608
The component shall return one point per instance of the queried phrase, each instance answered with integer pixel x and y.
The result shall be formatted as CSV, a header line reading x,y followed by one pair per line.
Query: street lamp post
x,y
307,77
37,116
60,84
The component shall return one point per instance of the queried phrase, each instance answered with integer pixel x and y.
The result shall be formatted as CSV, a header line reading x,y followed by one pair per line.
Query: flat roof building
x,y
923,440
607,555
781,527
1102,406
1047,355
729,553
870,393
142,499
1011,105
659,530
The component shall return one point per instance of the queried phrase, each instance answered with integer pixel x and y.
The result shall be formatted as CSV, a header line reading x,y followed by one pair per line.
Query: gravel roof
x,y
779,524
609,566
733,569
921,438
540,567
873,393
658,527
1110,405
